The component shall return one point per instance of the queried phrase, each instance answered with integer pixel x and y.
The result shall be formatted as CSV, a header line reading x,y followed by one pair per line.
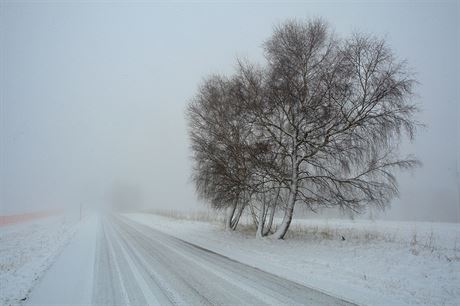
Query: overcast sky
x,y
93,95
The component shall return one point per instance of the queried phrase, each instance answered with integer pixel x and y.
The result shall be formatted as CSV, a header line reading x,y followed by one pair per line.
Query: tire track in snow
x,y
136,264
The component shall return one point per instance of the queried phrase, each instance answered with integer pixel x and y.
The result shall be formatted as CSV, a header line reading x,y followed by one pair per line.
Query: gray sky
x,y
93,95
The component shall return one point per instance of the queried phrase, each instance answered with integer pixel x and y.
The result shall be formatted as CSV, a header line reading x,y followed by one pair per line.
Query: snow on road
x,y
136,264
147,259
27,250
377,264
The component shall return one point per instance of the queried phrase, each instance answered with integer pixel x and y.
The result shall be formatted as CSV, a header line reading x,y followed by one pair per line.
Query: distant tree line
x,y
319,125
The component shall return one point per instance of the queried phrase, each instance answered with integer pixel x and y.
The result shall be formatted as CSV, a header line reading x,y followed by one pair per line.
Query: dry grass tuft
x,y
199,216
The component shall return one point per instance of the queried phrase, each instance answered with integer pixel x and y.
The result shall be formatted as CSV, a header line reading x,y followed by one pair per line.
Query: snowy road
x,y
136,264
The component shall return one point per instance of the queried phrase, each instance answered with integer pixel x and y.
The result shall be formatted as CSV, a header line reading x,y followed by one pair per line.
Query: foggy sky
x,y
93,95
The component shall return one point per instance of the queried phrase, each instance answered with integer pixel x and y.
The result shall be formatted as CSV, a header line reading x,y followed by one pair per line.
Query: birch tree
x,y
341,108
217,135
318,125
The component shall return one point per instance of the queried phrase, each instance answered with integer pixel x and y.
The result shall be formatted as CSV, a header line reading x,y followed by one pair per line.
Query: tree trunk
x,y
289,210
230,213
237,217
260,226
253,214
284,226
268,226
272,211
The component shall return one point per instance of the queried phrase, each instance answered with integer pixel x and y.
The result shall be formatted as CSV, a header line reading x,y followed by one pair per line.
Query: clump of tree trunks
x,y
319,125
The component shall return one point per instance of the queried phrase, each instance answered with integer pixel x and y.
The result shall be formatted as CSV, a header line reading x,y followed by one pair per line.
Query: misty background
x,y
93,95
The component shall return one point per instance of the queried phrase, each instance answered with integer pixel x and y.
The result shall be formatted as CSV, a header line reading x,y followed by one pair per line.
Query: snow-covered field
x,y
375,263
378,263
27,250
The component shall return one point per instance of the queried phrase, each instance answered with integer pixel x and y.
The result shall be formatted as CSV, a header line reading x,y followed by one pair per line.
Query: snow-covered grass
x,y
378,263
204,216
26,251
439,239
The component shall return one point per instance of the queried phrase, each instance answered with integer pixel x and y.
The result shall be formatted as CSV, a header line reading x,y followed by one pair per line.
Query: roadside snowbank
x,y
26,252
378,263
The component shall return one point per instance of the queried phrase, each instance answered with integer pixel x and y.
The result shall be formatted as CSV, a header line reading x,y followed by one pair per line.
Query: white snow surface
x,y
27,250
378,263
138,265
70,279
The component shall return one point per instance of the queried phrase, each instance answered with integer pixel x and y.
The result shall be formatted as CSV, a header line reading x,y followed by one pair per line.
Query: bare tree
x,y
217,135
344,105
319,125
